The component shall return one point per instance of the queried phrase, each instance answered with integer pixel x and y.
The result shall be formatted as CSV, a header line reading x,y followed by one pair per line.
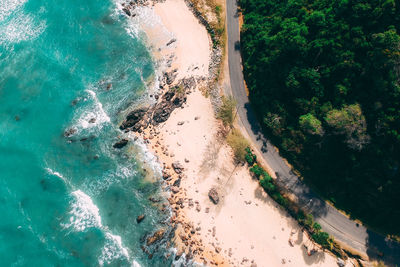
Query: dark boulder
x,y
121,143
133,118
140,218
213,195
69,132
162,113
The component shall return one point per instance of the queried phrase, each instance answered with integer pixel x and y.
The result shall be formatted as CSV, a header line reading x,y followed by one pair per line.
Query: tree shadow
x,y
380,248
317,257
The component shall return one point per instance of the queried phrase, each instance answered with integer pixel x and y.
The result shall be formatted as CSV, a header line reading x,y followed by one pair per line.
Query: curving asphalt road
x,y
332,221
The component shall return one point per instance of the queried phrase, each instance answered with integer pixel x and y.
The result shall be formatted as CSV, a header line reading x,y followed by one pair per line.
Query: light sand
x,y
246,226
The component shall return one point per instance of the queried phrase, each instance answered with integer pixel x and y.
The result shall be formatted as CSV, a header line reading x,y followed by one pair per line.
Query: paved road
x,y
332,221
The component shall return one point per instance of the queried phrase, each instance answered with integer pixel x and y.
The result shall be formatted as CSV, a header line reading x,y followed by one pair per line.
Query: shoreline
x,y
195,158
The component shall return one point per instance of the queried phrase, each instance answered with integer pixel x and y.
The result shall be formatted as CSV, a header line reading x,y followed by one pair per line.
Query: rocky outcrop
x,y
133,119
120,144
157,236
213,195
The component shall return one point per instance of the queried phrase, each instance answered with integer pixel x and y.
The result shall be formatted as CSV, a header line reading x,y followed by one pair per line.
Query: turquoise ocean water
x,y
71,201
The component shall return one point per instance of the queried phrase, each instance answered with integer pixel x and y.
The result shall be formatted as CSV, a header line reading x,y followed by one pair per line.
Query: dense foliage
x,y
324,78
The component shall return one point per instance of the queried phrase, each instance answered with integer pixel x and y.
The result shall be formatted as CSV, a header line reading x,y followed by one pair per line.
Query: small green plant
x,y
250,157
309,221
238,144
226,112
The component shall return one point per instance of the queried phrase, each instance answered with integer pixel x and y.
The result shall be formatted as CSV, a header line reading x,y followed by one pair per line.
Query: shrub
x,y
257,170
238,144
226,111
317,227
268,186
322,238
250,157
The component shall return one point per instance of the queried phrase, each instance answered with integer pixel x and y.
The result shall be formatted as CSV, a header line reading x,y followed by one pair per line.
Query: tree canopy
x,y
324,78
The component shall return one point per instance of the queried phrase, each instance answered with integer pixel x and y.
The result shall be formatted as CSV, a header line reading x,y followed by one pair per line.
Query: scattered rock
x,y
70,132
186,160
92,120
174,189
340,262
121,143
217,249
140,218
177,166
196,118
177,182
127,11
180,122
213,195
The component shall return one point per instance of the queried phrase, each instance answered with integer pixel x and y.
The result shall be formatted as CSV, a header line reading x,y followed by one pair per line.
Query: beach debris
x,y
177,166
291,242
121,143
196,118
173,40
186,160
207,210
213,195
214,230
253,264
140,218
283,261
180,123
158,235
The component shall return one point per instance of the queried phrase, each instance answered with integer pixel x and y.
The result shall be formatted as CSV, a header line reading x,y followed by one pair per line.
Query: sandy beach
x,y
246,227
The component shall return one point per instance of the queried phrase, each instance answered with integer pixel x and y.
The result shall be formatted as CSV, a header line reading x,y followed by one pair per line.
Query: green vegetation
x,y
324,78
250,157
226,111
238,144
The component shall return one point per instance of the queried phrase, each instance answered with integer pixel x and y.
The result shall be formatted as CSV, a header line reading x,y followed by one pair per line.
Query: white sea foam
x,y
55,173
112,250
84,212
93,110
16,26
97,112
9,6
